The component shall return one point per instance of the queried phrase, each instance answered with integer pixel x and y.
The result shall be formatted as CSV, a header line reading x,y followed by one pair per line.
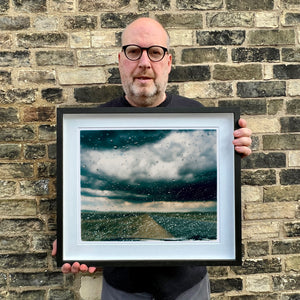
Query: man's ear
x,y
170,62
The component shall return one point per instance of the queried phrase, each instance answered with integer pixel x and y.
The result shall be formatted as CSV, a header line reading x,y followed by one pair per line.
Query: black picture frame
x,y
148,186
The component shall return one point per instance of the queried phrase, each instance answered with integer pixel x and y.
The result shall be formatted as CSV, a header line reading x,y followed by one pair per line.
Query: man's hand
x,y
242,139
76,267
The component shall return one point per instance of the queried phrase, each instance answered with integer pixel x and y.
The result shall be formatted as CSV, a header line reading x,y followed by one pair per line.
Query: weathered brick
x,y
281,142
5,78
294,159
281,193
274,106
61,294
292,229
9,115
97,57
263,296
10,151
40,40
16,170
114,77
290,124
4,6
46,169
293,88
247,106
63,6
258,284
181,37
271,37
223,285
261,89
264,160
286,282
47,132
39,114
292,264
23,260
36,6
53,95
15,59
37,77
203,55
199,4
285,247
34,188
52,151
267,19
286,71
14,243
292,19
99,5
26,295
21,225
51,58
35,151
18,207
259,177
6,41
250,4
19,133
48,206
118,20
230,19
7,188
14,23
224,37
256,249
45,23
149,5
291,54
289,176
255,54
97,94
246,72
191,73
18,96
190,20
80,22
36,279
290,4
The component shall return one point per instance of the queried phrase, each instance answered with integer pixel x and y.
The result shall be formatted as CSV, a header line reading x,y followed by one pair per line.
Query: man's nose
x,y
144,60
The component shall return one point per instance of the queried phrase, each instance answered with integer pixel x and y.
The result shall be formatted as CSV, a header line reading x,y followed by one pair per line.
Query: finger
x,y
54,248
244,151
75,267
242,132
66,268
243,141
242,123
92,270
83,268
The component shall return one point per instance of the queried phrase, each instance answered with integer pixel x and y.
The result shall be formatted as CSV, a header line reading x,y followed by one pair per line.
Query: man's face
x,y
144,81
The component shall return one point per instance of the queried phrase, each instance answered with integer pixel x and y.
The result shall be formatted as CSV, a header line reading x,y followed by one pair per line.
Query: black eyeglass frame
x,y
147,50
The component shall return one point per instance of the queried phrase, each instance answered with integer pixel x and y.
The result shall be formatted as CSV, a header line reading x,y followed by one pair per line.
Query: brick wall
x,y
64,52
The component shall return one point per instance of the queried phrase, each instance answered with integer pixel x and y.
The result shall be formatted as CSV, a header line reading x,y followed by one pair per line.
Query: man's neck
x,y
146,101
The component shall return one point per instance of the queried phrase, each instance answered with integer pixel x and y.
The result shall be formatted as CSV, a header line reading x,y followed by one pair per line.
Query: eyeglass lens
x,y
155,53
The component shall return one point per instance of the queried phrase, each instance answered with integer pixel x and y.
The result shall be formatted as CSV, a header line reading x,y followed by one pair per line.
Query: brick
x,y
199,4
180,37
294,159
293,88
10,151
18,207
289,176
256,249
259,177
9,115
97,57
5,41
39,114
4,6
255,266
225,285
245,72
52,151
255,54
41,40
275,210
292,229
267,19
16,170
53,95
274,106
35,151
264,160
261,89
27,96
37,6
99,95
286,282
217,271
281,193
290,54
292,19
19,133
262,124
80,22
42,242
263,230
51,58
63,294
63,6
258,284
247,106
230,19
118,20
251,194
264,296
101,39
44,23
7,188
48,206
250,4
80,40
23,260
88,283
286,71
190,20
285,247
14,23
46,169
5,78
290,124
21,225
14,243
224,37
27,295
14,59
203,55
37,77
191,73
47,132
292,264
271,37
36,279
281,142
34,188
149,5
99,5
114,77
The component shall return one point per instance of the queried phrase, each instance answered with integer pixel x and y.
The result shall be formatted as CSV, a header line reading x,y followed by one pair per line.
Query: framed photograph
x,y
148,186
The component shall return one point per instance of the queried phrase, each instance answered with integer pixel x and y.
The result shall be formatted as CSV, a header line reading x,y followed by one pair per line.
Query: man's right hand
x,y
76,267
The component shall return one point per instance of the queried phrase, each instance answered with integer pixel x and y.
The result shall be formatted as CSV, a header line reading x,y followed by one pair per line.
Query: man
x,y
144,65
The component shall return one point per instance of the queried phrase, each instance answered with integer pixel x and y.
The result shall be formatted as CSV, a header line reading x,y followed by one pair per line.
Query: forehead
x,y
144,34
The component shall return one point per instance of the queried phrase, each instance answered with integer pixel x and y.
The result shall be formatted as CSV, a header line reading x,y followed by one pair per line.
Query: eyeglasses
x,y
134,52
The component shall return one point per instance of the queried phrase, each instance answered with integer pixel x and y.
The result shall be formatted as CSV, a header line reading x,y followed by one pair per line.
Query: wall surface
x,y
64,52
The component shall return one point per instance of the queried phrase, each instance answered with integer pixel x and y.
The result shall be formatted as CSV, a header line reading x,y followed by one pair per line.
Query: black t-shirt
x,y
165,283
